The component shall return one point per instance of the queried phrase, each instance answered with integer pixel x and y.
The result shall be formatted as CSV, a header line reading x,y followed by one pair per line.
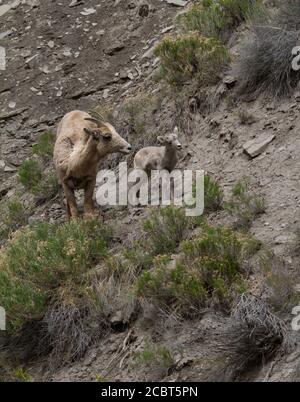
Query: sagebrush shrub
x,y
14,214
244,204
218,18
45,145
191,56
165,229
213,194
40,258
30,174
209,270
154,356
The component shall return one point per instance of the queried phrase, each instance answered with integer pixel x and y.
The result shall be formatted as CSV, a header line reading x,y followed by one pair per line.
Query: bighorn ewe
x,y
81,143
158,158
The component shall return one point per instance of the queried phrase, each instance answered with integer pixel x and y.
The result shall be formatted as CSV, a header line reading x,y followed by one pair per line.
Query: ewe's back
x,y
69,133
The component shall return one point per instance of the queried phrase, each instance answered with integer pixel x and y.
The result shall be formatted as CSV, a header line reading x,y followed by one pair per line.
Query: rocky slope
x,y
67,55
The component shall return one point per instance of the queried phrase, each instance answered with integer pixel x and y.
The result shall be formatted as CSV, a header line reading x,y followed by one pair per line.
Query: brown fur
x,y
80,146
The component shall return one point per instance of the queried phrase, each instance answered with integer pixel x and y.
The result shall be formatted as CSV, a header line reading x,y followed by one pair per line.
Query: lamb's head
x,y
106,138
170,140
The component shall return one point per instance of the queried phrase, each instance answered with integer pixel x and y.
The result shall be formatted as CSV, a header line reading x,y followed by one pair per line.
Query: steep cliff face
x,y
67,55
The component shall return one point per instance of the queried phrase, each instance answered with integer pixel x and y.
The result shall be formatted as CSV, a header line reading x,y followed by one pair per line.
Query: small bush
x,y
218,18
45,145
128,264
165,229
265,63
30,175
244,205
209,270
22,375
213,195
42,257
48,187
154,357
191,57
14,215
44,185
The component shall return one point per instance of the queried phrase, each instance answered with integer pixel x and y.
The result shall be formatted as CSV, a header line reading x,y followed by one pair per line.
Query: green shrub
x,y
48,187
154,356
130,262
190,56
165,229
14,215
42,257
45,145
209,270
244,205
213,195
218,18
30,174
44,185
22,375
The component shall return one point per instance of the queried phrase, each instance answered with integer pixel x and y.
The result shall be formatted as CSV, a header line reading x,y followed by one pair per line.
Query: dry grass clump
x,y
255,334
264,66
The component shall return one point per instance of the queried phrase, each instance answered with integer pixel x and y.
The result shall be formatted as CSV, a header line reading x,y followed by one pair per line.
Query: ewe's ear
x,y
91,133
88,131
160,139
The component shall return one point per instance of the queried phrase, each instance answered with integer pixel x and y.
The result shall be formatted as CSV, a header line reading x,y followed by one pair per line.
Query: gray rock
x,y
2,58
255,147
6,7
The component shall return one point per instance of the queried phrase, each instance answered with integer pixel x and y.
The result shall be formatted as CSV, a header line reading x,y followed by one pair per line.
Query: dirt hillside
x,y
67,55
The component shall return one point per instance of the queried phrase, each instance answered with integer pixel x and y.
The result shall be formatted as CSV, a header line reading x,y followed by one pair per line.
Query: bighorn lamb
x,y
81,143
158,158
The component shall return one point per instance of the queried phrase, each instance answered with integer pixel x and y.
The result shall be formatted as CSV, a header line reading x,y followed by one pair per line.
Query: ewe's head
x,y
170,140
106,137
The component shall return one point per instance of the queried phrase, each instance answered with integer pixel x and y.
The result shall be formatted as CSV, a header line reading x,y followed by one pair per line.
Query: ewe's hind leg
x,y
72,210
89,205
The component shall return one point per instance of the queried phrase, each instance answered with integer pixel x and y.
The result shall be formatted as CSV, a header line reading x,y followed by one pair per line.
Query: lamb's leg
x,y
89,205
72,210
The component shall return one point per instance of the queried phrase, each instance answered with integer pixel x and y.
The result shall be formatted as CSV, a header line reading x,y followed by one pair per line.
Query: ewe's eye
x,y
107,137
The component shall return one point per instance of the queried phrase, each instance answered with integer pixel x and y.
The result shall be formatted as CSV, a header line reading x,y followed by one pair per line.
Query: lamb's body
x,y
159,158
155,158
80,146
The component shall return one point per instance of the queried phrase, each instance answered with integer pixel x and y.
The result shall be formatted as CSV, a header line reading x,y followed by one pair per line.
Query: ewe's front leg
x,y
72,210
89,206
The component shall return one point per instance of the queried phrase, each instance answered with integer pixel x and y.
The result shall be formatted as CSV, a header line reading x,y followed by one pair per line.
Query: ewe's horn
x,y
93,120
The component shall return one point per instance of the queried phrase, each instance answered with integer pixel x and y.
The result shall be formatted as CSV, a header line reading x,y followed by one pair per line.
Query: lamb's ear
x,y
160,139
